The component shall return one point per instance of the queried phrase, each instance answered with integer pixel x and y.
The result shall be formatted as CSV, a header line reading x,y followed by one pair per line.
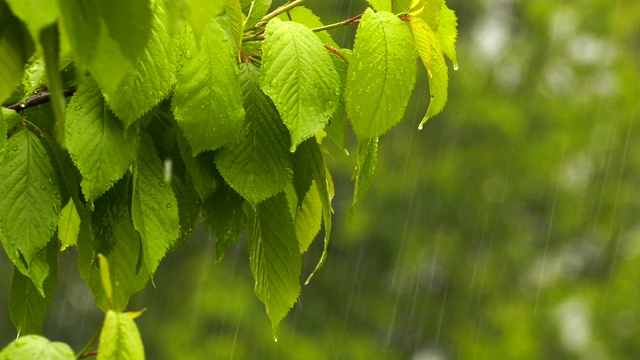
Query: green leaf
x,y
34,77
433,60
202,14
234,12
255,10
208,100
36,14
367,159
49,39
257,166
189,207
120,338
128,24
15,49
11,118
177,14
322,178
96,141
36,347
448,33
394,6
27,305
105,277
432,12
155,208
117,239
81,25
201,168
299,76
308,218
275,259
29,195
302,173
3,134
68,225
151,78
381,74
305,16
226,218
37,270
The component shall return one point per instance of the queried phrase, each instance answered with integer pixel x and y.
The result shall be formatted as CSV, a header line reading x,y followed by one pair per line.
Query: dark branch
x,y
37,99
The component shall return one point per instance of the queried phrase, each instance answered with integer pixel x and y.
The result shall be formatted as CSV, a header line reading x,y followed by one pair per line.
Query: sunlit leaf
x,y
36,347
120,338
381,74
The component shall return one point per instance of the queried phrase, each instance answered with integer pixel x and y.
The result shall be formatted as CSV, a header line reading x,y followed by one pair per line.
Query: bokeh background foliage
x,y
507,228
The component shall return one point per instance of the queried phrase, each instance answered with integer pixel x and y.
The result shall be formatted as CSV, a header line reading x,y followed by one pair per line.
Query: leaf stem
x,y
353,20
278,11
337,52
38,99
85,350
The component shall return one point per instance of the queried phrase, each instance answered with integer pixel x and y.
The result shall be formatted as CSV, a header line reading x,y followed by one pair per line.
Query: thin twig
x,y
353,20
38,99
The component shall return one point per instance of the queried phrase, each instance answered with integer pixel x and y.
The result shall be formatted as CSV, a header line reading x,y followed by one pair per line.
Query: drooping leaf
x,y
36,14
305,16
36,347
433,60
49,37
189,208
155,208
96,141
202,13
151,78
432,12
207,102
234,13
120,338
257,165
381,74
255,10
29,195
27,305
302,174
367,158
81,23
226,218
15,49
308,218
201,168
37,270
105,277
299,76
322,178
68,225
128,23
117,239
447,34
275,258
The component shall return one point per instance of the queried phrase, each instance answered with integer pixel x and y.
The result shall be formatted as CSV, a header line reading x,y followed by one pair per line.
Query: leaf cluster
x,y
186,110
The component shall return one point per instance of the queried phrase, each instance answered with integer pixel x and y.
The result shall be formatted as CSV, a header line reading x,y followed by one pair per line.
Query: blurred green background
x,y
508,228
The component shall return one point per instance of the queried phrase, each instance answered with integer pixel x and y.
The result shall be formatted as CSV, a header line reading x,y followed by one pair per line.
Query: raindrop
x,y
22,105
162,183
274,83
168,206
455,67
15,148
50,181
187,55
360,65
90,89
420,126
225,39
42,187
79,107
